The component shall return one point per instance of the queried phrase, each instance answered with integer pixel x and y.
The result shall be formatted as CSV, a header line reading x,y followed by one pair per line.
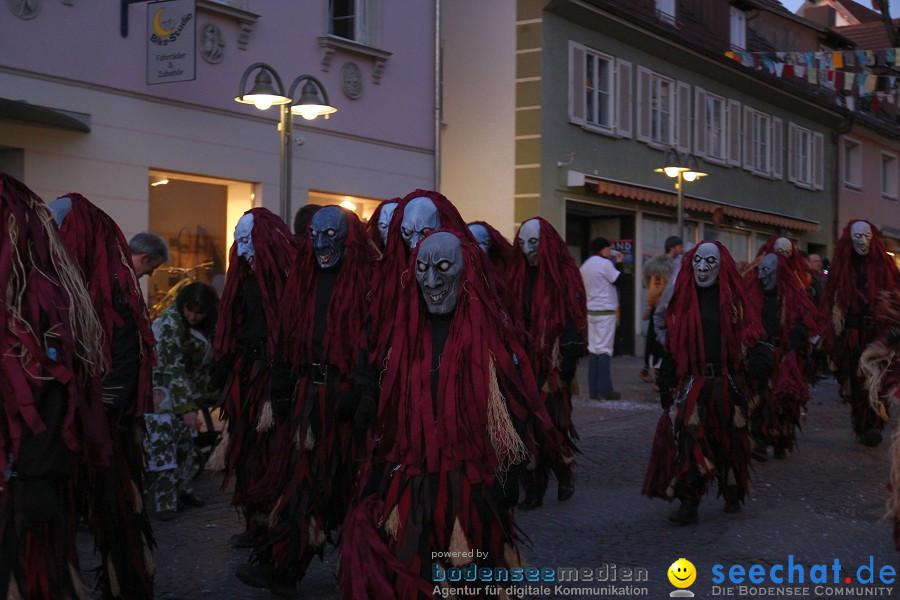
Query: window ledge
x,y
888,196
853,186
245,19
329,44
593,128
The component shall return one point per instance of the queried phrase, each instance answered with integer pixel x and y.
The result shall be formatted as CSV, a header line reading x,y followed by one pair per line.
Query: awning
x,y
19,110
620,190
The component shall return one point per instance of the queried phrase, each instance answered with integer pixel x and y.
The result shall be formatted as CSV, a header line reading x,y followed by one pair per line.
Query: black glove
x,y
668,373
38,501
507,489
761,361
282,381
365,415
666,397
798,337
347,404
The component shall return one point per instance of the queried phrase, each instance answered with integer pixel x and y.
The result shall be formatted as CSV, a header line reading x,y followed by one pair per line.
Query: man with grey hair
x,y
148,252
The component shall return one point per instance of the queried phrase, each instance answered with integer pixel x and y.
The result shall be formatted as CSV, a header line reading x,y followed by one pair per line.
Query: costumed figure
x,y
551,308
114,496
789,320
246,344
860,270
51,416
316,456
880,362
380,221
711,331
449,437
181,383
500,253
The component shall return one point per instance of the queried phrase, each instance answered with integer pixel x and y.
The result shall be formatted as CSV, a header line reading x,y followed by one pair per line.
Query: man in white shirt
x,y
600,274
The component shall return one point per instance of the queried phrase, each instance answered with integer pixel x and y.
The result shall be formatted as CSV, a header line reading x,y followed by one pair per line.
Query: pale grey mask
x,y
481,235
768,268
384,220
243,236
784,247
60,208
707,261
529,239
419,217
861,234
439,268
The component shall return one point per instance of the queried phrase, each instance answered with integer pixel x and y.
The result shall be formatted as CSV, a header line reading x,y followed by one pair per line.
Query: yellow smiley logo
x,y
682,573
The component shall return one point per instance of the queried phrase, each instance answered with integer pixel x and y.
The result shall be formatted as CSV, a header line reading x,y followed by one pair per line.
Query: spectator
x,y
657,273
600,274
302,218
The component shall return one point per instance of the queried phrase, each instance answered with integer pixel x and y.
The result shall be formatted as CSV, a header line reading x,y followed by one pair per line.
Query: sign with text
x,y
171,41
626,248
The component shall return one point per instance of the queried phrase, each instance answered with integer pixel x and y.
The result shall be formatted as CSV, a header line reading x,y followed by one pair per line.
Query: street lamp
x,y
268,91
682,168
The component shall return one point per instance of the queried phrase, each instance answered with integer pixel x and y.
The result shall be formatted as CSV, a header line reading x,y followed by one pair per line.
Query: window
x,y
665,9
599,91
738,29
805,156
762,143
663,110
888,175
852,163
353,20
711,126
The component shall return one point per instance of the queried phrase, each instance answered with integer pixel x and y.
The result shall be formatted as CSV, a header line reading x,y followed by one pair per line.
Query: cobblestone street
x,y
822,503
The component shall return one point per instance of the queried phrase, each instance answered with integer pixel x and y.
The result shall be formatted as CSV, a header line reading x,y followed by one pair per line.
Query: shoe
x,y
645,375
566,487
242,540
733,506
760,453
686,514
191,500
531,502
779,453
166,515
612,396
871,438
263,577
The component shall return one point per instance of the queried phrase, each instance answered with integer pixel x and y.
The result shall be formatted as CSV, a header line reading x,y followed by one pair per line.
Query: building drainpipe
x,y
438,69
844,127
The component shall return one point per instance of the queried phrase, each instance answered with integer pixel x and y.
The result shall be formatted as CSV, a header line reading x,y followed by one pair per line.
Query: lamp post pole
x,y
285,128
679,185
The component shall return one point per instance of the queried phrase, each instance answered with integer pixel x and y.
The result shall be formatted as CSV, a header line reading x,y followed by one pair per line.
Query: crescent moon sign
x,y
160,30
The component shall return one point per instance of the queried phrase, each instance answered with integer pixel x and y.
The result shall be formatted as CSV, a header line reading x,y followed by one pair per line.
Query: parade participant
x,y
492,242
380,221
782,246
790,320
861,268
316,458
181,383
449,434
111,267
711,330
551,308
246,343
51,417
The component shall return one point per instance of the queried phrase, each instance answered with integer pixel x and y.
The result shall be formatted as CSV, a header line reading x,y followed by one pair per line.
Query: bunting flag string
x,y
847,72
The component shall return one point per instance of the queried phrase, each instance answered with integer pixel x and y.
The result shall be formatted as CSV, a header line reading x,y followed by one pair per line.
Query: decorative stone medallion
x,y
351,80
212,43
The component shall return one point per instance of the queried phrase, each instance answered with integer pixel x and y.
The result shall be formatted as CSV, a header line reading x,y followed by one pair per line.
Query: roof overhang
x,y
19,110
602,187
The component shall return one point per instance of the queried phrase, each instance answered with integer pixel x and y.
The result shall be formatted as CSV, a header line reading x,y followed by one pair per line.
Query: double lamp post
x,y
682,168
268,91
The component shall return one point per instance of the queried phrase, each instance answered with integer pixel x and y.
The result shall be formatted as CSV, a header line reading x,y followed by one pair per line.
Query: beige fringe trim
x,y
113,579
459,546
310,442
149,564
508,446
77,583
511,557
13,592
216,460
837,319
739,421
266,418
316,535
392,525
892,508
874,363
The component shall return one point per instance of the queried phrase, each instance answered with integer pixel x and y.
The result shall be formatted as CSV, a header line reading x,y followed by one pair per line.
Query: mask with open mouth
x,y
529,238
439,267
420,216
707,261
327,233
768,268
861,234
243,237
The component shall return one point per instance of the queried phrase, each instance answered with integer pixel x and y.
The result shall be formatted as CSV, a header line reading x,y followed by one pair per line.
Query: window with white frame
x,y
888,175
666,10
852,155
738,29
805,157
711,126
600,96
664,111
763,154
354,20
